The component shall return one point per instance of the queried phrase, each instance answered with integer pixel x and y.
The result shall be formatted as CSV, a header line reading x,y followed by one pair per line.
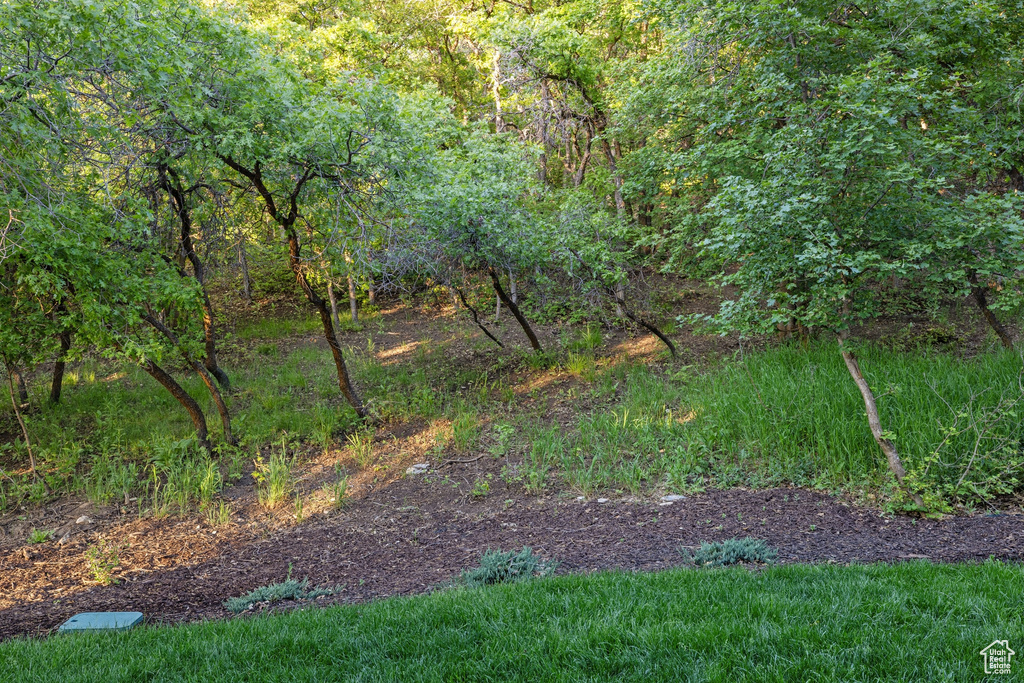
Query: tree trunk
x,y
372,295
620,204
542,166
19,381
177,194
887,446
189,403
333,298
512,287
511,305
287,223
243,264
11,373
499,122
621,303
58,367
344,381
353,303
222,409
476,318
497,308
978,293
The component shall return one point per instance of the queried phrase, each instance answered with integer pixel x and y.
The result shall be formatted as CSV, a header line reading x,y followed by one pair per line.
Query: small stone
x,y
64,539
418,468
672,498
602,500
84,519
664,503
580,498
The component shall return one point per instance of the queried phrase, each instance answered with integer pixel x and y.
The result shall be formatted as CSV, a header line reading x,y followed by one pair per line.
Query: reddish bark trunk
x,y
189,403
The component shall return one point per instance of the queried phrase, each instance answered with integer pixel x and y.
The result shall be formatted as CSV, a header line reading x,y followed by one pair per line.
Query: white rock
x,y
602,500
672,498
580,498
83,520
418,468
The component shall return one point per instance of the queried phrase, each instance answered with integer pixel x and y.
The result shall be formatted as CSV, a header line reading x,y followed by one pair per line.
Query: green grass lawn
x,y
908,622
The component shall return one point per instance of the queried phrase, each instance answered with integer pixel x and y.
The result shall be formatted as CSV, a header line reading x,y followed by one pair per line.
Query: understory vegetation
x,y
762,418
914,621
214,215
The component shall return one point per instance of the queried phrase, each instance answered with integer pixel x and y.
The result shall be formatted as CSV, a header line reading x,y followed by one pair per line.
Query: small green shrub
x,y
289,589
361,445
465,430
218,514
586,340
39,536
339,492
481,487
582,365
273,478
497,566
102,558
731,551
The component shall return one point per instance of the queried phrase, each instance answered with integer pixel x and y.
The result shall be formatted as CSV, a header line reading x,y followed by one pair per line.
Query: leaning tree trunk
x,y
650,327
287,223
58,367
11,372
185,221
200,369
512,306
189,403
978,294
887,446
618,294
476,317
344,381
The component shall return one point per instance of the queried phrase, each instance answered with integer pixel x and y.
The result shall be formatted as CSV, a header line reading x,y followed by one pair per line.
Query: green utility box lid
x,y
101,621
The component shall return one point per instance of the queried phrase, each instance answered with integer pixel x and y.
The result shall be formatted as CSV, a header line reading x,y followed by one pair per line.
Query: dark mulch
x,y
422,531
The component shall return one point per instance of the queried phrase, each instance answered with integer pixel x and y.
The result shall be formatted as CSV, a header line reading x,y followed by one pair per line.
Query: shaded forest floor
x,y
403,533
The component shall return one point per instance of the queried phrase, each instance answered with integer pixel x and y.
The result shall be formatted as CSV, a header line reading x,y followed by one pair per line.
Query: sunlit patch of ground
x,y
644,349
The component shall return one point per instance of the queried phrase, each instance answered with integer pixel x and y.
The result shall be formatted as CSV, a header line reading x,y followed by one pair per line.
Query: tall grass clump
x,y
274,481
795,414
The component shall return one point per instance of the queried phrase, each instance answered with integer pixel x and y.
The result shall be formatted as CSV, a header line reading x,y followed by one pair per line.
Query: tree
x,y
822,156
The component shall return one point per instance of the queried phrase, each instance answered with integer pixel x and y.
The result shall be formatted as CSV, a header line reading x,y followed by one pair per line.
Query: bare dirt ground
x,y
423,530
405,534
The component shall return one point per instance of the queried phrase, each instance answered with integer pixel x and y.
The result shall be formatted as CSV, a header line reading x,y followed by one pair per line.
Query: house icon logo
x,y
997,657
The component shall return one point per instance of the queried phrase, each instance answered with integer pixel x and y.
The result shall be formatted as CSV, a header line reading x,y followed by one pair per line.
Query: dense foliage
x,y
819,158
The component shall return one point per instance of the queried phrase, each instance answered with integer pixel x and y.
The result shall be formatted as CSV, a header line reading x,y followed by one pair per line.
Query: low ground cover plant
x,y
498,566
289,589
730,551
